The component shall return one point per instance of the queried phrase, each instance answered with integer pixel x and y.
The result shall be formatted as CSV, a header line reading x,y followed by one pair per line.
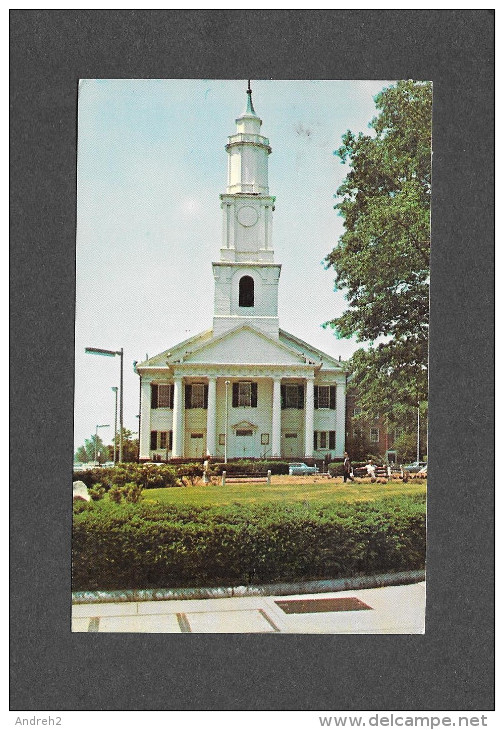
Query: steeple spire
x,y
250,106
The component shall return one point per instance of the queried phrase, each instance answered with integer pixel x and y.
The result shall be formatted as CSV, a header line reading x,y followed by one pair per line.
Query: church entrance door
x,y
195,445
291,444
245,443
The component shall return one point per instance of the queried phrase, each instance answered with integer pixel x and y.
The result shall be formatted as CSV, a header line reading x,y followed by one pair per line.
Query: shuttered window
x,y
159,440
325,396
292,396
324,440
196,395
161,396
244,394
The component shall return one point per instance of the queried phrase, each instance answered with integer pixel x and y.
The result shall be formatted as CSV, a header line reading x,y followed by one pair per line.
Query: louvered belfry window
x,y
246,292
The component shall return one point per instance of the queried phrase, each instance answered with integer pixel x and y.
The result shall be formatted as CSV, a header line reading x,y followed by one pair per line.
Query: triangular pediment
x,y
244,345
245,425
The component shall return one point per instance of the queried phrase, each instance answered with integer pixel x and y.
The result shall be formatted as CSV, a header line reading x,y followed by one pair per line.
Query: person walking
x,y
347,468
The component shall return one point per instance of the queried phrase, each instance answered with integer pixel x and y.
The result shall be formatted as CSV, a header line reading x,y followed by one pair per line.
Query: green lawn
x,y
326,492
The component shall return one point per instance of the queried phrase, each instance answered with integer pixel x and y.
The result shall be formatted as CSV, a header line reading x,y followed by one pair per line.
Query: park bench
x,y
248,478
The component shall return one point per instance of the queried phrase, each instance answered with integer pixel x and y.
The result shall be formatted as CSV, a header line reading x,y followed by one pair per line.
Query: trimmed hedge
x,y
161,546
146,476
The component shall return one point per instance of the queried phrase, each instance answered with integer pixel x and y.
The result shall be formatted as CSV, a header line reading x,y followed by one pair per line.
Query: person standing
x,y
347,468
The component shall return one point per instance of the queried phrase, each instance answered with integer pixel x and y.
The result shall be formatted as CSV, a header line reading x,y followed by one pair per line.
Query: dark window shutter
x,y
315,440
188,391
154,396
315,396
205,403
170,401
235,395
253,395
332,397
300,397
282,396
332,440
170,440
153,440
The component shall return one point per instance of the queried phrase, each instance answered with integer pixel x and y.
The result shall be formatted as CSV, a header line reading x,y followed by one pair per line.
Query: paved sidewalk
x,y
389,610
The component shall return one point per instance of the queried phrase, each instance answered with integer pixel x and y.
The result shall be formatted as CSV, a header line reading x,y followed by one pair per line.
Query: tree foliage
x,y
130,446
87,452
382,258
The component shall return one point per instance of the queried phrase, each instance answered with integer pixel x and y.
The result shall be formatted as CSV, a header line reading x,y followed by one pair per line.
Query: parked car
x,y
422,473
300,468
415,467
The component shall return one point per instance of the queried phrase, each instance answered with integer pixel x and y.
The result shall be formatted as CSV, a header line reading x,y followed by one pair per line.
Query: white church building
x,y
244,388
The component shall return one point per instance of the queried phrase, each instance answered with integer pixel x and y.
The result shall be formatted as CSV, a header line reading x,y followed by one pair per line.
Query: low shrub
x,y
189,473
96,492
336,469
119,546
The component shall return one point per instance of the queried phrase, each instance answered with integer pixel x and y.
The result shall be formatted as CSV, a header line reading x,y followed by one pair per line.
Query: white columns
x,y
309,405
211,417
178,419
145,403
275,428
340,418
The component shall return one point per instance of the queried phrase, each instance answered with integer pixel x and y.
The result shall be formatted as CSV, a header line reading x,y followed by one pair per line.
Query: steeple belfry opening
x,y
246,277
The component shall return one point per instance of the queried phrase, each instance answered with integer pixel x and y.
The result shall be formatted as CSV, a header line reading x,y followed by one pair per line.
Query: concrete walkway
x,y
389,610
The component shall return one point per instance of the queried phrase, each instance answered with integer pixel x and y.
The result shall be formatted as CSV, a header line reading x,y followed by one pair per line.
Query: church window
x,y
244,394
161,396
243,432
324,440
246,292
325,396
160,439
292,396
196,395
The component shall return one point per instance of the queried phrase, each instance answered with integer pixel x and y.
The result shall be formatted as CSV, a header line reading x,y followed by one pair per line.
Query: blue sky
x,y
151,166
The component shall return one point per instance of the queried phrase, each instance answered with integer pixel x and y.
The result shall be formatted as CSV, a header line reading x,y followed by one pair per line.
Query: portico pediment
x,y
244,345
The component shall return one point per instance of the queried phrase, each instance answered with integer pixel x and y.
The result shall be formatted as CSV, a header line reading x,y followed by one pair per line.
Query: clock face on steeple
x,y
247,216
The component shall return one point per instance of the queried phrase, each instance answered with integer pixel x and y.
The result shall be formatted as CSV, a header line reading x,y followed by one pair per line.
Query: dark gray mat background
x,y
451,667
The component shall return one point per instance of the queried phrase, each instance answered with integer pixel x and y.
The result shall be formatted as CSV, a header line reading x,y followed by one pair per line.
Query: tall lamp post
x,y
113,353
115,389
105,425
226,425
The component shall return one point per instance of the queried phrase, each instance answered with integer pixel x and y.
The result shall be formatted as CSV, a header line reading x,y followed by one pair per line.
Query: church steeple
x,y
246,260
250,106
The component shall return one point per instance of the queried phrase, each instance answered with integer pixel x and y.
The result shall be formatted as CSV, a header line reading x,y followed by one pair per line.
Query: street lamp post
x,y
105,425
113,353
226,424
115,389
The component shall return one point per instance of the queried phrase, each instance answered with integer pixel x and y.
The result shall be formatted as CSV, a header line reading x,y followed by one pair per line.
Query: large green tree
x,y
382,258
